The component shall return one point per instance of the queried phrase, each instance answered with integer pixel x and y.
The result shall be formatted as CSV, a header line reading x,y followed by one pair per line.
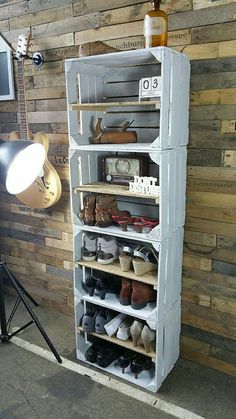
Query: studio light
x,y
21,162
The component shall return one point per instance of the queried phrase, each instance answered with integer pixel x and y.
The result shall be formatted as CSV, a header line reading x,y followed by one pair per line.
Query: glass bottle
x,y
155,26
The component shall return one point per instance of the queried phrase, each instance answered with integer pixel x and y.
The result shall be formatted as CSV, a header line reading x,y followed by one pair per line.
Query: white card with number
x,y
149,87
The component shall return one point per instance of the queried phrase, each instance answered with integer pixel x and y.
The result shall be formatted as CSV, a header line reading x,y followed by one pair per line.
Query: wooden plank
x,y
220,32
53,67
205,289
46,93
212,112
214,66
225,242
214,97
209,185
221,80
47,117
223,355
213,280
222,255
59,27
202,17
200,4
212,200
200,238
204,157
225,305
229,158
58,244
127,43
196,262
224,268
209,361
109,32
197,224
200,51
52,105
210,338
228,126
49,80
209,320
211,213
102,187
25,263
227,48
195,345
213,173
30,229
38,18
51,42
12,10
196,298
36,5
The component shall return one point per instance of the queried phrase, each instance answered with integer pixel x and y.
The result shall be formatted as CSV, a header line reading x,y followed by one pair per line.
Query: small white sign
x,y
149,87
145,185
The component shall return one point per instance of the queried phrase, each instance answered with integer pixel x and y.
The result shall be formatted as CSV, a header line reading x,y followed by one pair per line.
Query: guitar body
x,y
45,191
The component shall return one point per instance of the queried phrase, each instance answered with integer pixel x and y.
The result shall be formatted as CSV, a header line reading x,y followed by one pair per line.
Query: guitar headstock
x,y
23,46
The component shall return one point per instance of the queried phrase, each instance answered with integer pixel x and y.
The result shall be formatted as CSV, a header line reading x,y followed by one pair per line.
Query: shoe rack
x,y
107,87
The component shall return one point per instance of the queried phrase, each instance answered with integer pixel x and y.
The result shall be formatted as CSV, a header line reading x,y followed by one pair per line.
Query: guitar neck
x,y
24,133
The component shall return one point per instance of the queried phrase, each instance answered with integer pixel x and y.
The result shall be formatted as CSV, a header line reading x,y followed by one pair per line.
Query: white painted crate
x,y
167,283
169,166
115,78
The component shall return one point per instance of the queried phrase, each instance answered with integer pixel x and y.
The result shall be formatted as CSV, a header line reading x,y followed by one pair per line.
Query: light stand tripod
x,y
22,294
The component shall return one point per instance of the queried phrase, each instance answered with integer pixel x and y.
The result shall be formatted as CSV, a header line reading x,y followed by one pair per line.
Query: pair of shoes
x,y
139,223
103,353
98,210
137,363
101,286
94,320
143,259
102,248
142,334
120,325
136,293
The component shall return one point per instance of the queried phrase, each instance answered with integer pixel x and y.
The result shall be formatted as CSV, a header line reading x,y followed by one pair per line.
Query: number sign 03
x,y
149,87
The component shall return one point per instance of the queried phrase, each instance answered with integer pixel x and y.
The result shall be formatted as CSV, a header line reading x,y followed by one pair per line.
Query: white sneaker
x,y
107,250
89,248
113,325
123,333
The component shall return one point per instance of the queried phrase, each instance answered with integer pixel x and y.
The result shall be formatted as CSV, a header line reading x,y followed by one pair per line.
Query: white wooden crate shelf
x,y
107,86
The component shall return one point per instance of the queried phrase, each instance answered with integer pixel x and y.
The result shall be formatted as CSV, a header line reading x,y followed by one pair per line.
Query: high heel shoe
x,y
145,260
148,336
125,359
90,283
109,285
139,364
135,331
147,223
125,258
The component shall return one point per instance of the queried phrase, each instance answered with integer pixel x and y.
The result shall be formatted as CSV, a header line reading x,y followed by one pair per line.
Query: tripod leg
x,y
30,311
2,312
25,292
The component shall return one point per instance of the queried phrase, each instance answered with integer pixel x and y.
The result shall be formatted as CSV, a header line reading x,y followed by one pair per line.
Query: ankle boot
x,y
106,206
141,295
88,213
126,291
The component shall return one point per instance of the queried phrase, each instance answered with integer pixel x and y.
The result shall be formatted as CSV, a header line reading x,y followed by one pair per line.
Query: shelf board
x,y
118,148
105,188
114,269
112,302
105,105
150,237
124,343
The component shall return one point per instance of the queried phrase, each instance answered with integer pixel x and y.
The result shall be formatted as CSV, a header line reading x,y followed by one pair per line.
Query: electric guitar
x,y
46,189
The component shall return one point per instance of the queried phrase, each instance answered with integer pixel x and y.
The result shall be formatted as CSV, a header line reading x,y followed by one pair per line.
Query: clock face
x,y
122,166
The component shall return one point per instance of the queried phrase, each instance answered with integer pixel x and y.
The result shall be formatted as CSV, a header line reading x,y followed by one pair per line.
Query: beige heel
x,y
135,331
125,258
148,337
145,260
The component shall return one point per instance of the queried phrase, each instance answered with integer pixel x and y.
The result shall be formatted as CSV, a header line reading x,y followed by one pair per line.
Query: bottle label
x,y
154,26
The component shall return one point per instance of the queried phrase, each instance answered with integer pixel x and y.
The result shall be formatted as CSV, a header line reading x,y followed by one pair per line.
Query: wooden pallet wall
x,y
37,244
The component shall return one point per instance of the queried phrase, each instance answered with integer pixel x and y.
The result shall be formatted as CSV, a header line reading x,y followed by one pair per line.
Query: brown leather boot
x,y
141,295
126,291
106,206
89,210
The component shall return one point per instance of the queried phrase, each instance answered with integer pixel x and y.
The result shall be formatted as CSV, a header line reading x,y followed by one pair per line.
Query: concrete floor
x,y
33,387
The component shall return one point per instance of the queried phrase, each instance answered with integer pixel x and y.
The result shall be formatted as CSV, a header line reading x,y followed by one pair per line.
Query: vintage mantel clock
x,y
121,169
